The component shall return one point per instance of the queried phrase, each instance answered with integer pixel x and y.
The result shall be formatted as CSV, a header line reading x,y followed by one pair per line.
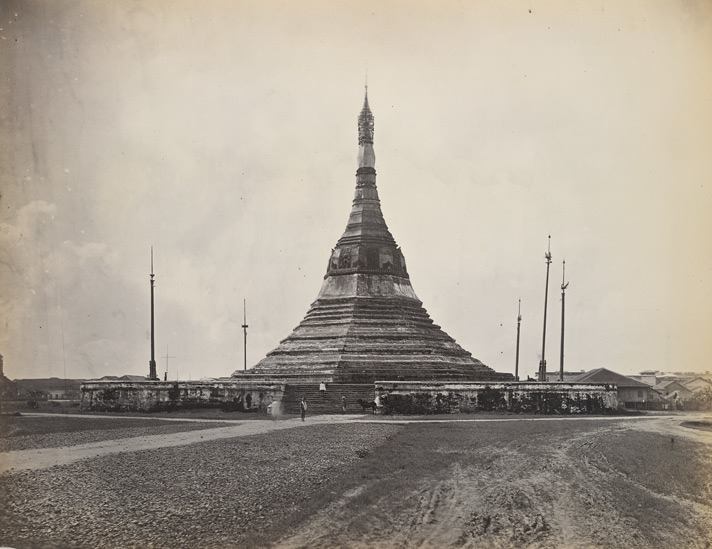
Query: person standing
x,y
303,407
343,403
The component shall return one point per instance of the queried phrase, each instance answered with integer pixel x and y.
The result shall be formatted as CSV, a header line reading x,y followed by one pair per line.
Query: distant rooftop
x,y
125,377
603,375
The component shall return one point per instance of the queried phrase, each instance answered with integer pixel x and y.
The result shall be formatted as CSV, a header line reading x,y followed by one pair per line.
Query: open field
x,y
25,432
641,482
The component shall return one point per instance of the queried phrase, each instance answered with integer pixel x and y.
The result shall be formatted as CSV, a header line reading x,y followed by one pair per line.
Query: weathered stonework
x,y
156,396
395,397
518,397
367,323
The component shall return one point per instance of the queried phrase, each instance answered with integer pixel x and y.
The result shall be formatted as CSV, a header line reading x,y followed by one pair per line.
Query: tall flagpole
x,y
244,331
519,323
542,362
564,285
152,363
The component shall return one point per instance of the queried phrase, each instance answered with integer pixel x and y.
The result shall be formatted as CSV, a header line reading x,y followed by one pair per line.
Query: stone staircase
x,y
328,402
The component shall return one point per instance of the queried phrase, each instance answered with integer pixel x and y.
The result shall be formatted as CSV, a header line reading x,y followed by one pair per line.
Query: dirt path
x,y
47,457
571,493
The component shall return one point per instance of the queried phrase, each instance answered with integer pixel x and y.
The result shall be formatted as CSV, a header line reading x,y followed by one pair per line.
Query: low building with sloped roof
x,y
674,390
631,393
697,384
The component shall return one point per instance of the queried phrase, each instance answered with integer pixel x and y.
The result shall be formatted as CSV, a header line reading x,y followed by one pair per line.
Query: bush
x,y
700,401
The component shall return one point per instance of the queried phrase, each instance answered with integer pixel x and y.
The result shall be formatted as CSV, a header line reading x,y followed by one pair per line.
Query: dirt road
x,y
612,484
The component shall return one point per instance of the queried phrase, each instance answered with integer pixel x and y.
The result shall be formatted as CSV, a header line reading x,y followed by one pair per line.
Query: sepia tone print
x,y
174,180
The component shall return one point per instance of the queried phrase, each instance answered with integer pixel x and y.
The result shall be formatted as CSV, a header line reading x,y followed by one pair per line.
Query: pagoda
x,y
367,323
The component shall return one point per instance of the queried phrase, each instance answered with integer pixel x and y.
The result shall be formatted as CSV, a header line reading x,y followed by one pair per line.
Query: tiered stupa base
x,y
362,337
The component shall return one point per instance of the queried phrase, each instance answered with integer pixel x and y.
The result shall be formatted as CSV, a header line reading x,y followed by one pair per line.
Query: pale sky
x,y
224,134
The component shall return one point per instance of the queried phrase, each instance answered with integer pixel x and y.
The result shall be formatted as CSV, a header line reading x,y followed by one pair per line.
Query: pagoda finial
x,y
365,121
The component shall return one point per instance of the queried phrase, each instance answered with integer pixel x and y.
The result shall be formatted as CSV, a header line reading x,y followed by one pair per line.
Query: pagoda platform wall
x,y
518,397
159,396
395,397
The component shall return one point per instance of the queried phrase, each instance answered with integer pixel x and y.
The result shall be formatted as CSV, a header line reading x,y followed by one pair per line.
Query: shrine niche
x,y
345,260
360,261
386,260
372,259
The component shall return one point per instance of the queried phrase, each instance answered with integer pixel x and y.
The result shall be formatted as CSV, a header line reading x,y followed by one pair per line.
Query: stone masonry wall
x,y
396,397
518,397
154,396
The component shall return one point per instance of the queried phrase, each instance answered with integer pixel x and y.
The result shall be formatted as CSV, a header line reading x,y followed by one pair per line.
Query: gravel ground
x,y
215,494
542,484
534,484
25,432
